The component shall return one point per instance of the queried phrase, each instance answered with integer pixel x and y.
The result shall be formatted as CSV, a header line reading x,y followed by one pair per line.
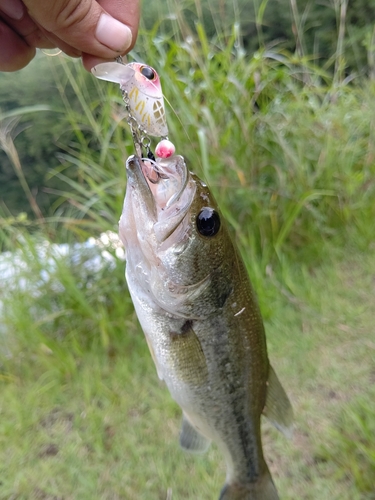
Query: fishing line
x,y
178,118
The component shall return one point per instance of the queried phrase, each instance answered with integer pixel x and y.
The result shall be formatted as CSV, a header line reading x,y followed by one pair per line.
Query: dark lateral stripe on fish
x,y
242,419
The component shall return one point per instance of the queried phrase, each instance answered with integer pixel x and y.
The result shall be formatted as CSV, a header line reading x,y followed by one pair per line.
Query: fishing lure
x,y
141,89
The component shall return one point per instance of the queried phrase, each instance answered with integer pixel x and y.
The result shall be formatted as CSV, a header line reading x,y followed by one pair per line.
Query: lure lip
x,y
113,72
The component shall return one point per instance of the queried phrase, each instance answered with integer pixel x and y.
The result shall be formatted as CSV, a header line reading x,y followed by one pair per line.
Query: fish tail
x,y
263,489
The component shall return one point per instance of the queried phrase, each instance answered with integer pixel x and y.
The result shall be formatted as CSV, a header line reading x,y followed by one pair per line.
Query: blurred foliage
x,y
307,27
286,146
293,33
33,116
63,291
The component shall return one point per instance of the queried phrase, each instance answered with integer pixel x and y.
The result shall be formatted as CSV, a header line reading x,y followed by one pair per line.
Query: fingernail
x,y
113,34
12,8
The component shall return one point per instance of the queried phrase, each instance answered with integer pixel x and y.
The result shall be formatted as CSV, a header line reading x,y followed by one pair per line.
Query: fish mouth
x,y
164,189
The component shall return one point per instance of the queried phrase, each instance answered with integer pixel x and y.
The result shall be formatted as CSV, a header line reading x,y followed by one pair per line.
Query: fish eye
x,y
208,222
148,72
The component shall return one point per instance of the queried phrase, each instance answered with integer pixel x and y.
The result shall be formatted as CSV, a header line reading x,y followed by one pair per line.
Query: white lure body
x,y
142,86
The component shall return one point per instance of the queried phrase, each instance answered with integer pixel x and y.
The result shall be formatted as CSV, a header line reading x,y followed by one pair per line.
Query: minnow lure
x,y
140,85
141,89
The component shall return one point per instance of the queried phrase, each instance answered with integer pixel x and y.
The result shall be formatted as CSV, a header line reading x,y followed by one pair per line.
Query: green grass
x,y
95,422
351,444
328,363
289,153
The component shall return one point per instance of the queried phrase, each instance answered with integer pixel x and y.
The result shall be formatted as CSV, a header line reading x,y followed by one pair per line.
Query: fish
x,y
200,316
142,86
194,300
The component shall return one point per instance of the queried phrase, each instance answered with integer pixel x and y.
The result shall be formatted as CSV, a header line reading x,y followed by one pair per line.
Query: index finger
x,y
15,53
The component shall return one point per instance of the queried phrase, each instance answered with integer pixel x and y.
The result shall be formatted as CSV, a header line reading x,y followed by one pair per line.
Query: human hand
x,y
80,28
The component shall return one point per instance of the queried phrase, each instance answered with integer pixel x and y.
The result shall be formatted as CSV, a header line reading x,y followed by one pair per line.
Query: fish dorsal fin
x,y
278,409
191,440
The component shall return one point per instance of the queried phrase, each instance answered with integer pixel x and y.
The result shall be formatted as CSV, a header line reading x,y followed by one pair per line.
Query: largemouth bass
x,y
200,316
198,311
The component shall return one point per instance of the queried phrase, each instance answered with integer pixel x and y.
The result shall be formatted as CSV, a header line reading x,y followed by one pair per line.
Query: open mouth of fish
x,y
163,188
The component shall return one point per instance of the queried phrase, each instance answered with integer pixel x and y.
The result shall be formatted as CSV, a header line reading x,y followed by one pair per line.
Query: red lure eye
x,y
148,72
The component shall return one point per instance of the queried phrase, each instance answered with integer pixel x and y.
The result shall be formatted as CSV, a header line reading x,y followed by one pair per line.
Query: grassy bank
x,y
96,423
289,153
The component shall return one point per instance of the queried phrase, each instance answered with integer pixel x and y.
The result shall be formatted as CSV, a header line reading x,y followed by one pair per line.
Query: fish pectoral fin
x,y
278,408
185,356
191,440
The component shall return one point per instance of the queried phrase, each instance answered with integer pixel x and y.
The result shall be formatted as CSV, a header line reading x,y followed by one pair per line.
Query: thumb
x,y
86,26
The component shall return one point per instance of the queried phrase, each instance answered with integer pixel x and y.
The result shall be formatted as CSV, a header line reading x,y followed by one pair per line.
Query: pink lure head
x,y
146,79
165,149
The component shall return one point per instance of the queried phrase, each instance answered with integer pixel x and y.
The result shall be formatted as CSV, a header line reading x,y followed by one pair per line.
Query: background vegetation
x,y
273,104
